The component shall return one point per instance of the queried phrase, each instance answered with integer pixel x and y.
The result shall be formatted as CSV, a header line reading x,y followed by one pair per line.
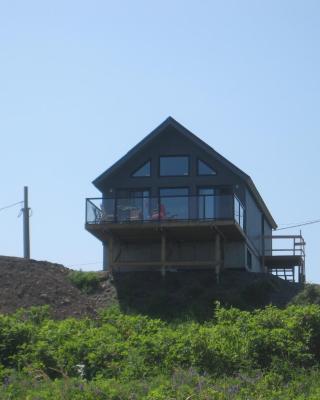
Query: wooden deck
x,y
151,231
287,262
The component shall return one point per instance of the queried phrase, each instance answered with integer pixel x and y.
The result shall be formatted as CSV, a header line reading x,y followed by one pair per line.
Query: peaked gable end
x,y
165,138
164,133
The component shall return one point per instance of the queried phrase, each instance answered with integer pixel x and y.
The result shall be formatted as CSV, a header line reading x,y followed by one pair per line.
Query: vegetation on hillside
x,y
86,282
262,354
310,294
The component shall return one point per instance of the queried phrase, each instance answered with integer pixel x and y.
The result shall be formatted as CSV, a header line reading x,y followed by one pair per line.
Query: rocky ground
x,y
26,283
34,283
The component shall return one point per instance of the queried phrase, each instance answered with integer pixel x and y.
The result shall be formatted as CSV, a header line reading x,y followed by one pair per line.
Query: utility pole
x,y
26,228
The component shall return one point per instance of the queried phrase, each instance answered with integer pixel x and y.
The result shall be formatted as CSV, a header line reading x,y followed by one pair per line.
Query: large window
x,y
174,203
174,166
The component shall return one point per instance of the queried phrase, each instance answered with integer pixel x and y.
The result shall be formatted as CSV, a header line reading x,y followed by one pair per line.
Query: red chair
x,y
159,214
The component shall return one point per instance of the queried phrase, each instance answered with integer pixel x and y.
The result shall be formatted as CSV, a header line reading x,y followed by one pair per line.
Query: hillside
x,y
266,354
34,283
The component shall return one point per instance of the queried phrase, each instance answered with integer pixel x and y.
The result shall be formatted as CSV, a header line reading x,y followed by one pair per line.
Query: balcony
x,y
146,215
284,256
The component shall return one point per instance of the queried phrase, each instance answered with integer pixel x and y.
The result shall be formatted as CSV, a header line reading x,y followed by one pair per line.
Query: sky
x,y
81,82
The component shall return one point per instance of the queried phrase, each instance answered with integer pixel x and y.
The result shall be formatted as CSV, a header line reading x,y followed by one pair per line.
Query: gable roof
x,y
171,122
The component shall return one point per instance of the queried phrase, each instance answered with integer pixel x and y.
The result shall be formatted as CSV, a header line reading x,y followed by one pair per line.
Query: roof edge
x,y
142,142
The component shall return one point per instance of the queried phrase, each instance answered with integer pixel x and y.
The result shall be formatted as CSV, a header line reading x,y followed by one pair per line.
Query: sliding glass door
x,y
174,203
133,205
206,203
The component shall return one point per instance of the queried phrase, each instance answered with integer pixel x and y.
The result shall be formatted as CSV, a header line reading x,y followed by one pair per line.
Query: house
x,y
172,202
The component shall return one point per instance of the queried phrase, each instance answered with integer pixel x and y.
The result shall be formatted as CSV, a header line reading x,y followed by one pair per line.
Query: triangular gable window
x,y
144,170
205,169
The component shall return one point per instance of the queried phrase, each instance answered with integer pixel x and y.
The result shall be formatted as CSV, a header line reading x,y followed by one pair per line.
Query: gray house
x,y
172,202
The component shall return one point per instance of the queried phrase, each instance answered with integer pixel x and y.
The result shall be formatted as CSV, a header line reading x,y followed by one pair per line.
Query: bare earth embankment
x,y
26,283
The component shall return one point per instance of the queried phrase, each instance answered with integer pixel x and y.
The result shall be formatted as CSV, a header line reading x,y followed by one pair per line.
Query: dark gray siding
x,y
267,232
256,227
253,223
234,255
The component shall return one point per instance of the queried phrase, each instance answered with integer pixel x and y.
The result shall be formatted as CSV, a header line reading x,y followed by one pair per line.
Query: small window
x,y
249,259
174,166
144,170
205,169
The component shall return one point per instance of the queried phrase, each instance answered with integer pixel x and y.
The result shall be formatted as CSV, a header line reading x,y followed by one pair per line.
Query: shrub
x,y
87,282
309,295
237,346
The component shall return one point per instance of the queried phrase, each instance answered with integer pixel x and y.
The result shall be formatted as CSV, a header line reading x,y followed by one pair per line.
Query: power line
x,y
80,265
297,223
11,205
316,221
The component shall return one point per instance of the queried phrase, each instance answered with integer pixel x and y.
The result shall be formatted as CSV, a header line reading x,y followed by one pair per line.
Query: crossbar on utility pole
x,y
26,227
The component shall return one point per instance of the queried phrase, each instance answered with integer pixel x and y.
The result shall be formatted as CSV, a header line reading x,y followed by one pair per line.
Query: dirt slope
x,y
34,283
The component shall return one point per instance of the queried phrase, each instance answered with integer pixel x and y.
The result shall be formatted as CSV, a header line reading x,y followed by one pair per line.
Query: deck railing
x,y
164,208
284,245
288,250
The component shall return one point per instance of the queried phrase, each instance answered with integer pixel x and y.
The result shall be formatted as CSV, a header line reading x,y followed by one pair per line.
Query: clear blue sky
x,y
82,81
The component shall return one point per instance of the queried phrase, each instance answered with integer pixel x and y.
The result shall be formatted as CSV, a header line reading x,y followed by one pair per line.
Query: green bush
x,y
181,385
309,295
87,282
261,354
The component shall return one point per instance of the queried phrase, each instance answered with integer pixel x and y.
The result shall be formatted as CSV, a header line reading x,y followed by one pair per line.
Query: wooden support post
x,y
163,253
217,256
111,245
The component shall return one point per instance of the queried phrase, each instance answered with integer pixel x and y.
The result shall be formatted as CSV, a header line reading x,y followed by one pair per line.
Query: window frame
x,y
208,165
174,187
187,156
141,165
130,191
214,197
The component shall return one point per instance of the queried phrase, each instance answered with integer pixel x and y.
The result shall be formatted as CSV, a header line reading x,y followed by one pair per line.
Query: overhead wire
x,y
316,221
80,265
10,205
